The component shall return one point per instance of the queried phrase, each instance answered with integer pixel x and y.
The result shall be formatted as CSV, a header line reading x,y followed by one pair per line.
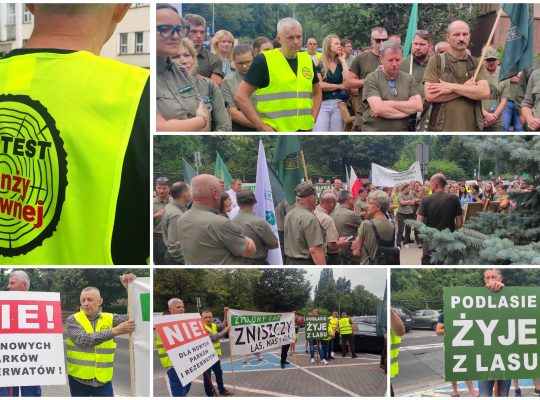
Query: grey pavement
x,y
411,255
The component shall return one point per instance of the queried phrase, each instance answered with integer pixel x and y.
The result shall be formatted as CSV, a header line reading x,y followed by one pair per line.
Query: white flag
x,y
140,303
264,207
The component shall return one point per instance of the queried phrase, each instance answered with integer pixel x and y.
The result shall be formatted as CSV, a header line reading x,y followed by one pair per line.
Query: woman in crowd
x,y
222,45
464,196
225,204
243,57
262,44
489,192
219,119
504,205
332,70
175,111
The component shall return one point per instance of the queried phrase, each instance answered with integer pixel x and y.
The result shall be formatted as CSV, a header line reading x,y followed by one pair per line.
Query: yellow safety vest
x,y
334,322
395,343
345,327
65,127
162,353
286,103
92,362
213,329
330,332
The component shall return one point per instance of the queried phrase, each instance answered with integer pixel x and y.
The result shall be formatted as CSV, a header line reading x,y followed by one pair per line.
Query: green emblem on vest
x,y
308,74
33,171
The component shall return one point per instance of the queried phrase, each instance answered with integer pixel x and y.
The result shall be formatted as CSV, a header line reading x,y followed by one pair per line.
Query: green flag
x,y
221,171
287,164
518,51
411,30
189,172
278,193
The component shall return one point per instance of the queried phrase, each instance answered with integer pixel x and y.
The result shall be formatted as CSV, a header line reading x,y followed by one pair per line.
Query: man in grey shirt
x,y
89,345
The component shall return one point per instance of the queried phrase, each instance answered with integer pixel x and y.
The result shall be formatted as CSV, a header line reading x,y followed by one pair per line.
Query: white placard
x,y
381,176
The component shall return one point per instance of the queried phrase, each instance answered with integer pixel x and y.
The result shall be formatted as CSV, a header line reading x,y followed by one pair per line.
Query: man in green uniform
x,y
347,223
303,233
448,84
363,64
207,237
332,241
390,96
254,227
493,107
162,198
181,196
281,212
209,63
530,106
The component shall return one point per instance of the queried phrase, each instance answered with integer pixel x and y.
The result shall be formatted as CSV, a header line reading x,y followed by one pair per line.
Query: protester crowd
x,y
275,85
202,223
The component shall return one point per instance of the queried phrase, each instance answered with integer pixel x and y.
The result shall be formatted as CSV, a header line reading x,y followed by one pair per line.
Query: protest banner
x,y
316,327
253,331
187,344
491,335
139,300
381,176
31,343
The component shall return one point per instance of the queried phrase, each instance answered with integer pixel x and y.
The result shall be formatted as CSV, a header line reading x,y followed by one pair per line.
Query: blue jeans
x,y
208,379
312,349
177,390
26,391
486,388
78,389
511,117
327,348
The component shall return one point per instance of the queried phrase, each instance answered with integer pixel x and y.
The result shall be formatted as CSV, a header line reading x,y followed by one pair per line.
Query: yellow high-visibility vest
x,y
213,329
395,343
162,353
89,362
286,103
345,327
66,123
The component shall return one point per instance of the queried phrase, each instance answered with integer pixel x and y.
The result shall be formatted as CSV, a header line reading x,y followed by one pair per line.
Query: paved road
x,y
343,377
411,255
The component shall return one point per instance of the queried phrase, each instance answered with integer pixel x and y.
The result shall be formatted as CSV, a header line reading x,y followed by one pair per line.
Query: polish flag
x,y
355,184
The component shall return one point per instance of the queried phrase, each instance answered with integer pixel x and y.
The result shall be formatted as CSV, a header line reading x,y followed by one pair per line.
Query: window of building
x,y
11,15
139,47
27,16
123,43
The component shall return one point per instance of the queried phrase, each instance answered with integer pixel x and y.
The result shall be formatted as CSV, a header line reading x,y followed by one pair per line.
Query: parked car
x,y
425,319
368,319
366,339
406,317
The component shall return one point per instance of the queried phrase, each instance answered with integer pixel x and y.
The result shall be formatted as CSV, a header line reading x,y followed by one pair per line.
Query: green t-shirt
x,y
377,84
497,90
417,72
302,231
385,230
362,65
532,94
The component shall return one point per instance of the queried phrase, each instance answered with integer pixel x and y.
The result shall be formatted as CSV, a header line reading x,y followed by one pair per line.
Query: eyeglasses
x,y
379,40
393,90
168,31
243,63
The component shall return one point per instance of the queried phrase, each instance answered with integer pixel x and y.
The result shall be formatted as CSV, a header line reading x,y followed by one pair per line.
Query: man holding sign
x,y
90,345
19,282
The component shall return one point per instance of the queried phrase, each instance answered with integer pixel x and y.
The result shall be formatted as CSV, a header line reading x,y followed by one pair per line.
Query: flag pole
x,y
481,61
131,344
304,165
228,319
410,66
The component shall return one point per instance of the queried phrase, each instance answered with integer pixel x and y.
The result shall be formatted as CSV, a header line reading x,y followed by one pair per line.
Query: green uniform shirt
x,y
377,84
209,238
363,64
302,231
347,223
417,72
459,113
406,197
230,86
209,64
219,118
171,228
532,94
368,239
281,211
360,205
328,225
176,91
159,205
257,229
497,90
514,86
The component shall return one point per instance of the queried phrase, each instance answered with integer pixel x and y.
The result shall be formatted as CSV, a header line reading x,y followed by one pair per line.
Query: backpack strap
x,y
381,242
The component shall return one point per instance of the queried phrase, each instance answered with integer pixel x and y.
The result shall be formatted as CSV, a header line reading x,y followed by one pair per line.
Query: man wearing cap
x,y
493,107
347,223
254,227
303,233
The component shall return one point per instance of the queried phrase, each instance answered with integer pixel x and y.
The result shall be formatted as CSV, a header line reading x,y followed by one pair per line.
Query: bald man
x,y
449,85
330,234
207,238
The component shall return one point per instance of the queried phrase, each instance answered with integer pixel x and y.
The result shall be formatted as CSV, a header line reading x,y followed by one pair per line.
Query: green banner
x,y
237,320
316,327
491,335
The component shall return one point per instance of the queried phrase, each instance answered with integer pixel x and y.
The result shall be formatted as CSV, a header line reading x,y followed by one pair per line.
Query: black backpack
x,y
386,254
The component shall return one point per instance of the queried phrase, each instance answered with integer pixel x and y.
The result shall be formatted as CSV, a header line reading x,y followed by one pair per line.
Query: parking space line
x,y
258,391
330,383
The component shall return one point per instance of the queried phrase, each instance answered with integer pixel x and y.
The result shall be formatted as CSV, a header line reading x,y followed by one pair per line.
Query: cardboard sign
x,y
316,327
253,331
31,342
187,343
491,335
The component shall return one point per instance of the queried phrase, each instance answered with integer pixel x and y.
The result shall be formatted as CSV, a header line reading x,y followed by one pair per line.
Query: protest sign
x,y
316,327
491,335
381,176
187,344
253,331
140,307
31,343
